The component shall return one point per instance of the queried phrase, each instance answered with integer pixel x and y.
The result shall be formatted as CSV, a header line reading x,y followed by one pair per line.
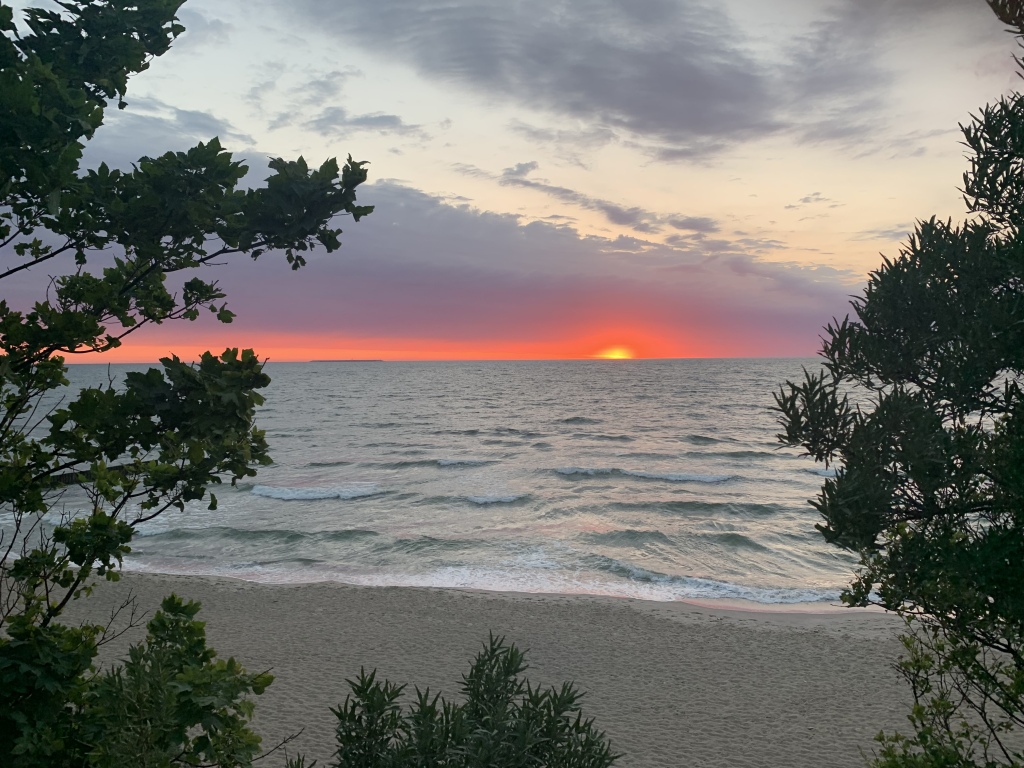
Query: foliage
x,y
920,410
172,703
79,471
503,721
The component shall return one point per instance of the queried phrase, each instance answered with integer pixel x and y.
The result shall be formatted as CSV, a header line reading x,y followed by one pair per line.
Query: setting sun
x,y
615,353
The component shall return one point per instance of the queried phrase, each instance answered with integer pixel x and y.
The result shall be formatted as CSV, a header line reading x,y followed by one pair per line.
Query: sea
x,y
652,479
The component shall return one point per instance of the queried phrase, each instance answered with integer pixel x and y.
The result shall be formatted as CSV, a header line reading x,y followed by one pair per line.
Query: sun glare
x,y
615,353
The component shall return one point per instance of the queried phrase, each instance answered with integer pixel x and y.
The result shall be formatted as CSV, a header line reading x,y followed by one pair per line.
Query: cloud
x,y
336,121
635,217
839,75
201,30
677,79
519,170
149,127
639,219
674,72
814,198
694,224
424,269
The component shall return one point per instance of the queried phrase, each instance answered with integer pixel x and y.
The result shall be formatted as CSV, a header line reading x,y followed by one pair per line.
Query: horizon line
x,y
592,358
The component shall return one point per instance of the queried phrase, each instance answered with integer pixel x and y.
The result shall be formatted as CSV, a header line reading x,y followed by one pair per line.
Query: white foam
x,y
539,571
508,499
353,491
554,581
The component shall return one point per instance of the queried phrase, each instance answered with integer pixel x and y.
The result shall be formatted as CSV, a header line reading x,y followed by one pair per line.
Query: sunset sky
x,y
573,178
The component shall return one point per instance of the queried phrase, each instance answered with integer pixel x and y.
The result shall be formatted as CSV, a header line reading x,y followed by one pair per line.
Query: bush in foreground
x,y
503,721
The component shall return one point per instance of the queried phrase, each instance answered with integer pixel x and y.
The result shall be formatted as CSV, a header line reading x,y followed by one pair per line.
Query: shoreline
x,y
716,603
672,684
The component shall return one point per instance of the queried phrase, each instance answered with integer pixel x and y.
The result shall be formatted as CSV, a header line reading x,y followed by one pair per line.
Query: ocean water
x,y
655,479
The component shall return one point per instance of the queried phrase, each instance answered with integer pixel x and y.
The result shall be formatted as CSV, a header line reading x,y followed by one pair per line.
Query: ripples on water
x,y
653,479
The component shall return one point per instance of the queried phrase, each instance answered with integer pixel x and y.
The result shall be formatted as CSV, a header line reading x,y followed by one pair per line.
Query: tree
x,y
133,243
920,409
504,721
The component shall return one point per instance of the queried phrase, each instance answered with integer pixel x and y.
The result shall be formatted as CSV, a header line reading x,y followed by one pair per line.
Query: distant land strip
x,y
347,361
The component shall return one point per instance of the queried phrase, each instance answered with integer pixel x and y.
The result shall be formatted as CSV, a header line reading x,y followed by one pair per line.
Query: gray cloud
x,y
320,92
694,224
675,78
316,90
838,85
336,121
675,72
151,127
639,219
519,170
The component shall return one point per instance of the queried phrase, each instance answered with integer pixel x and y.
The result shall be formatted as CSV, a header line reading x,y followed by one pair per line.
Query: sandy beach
x,y
672,684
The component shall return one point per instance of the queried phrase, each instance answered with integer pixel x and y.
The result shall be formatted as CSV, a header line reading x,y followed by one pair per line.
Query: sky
x,y
572,178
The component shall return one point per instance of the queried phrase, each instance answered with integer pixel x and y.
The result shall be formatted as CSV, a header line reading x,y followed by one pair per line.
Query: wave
x,y
629,538
732,540
428,544
580,420
611,438
707,439
338,463
344,492
621,580
257,535
506,499
732,454
400,464
822,471
683,477
673,477
714,509
586,471
649,455
694,587
464,462
514,431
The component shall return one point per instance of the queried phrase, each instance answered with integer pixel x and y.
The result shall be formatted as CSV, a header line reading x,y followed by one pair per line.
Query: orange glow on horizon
x,y
615,353
641,342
